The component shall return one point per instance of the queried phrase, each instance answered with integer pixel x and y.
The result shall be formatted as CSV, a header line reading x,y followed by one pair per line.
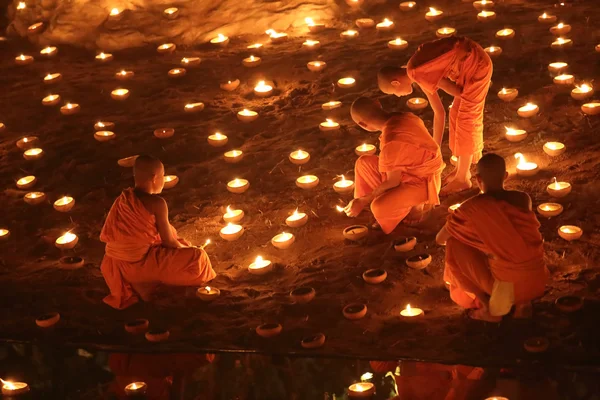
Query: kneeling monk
x,y
494,250
142,247
407,173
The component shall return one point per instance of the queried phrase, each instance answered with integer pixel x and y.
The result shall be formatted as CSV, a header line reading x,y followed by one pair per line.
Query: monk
x,y
407,173
494,250
460,67
142,247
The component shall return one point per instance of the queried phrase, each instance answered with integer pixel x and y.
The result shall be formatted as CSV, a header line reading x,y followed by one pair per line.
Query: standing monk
x,y
142,247
461,68
407,173
494,250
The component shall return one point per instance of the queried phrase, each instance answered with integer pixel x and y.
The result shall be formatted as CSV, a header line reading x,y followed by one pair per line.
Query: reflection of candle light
x,y
233,156
238,185
454,207
231,232
554,149
33,154
592,108
119,94
330,105
283,240
64,204
4,233
570,232
561,43
307,181
51,100
251,61
171,12
26,182
255,46
411,311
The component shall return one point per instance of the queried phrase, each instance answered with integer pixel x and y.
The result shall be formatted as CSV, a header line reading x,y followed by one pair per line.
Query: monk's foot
x,y
482,314
523,311
449,178
456,186
415,216
144,290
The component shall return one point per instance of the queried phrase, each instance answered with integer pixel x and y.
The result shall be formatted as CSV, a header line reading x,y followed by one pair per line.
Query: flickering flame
x,y
505,32
311,42
207,288
386,22
115,11
398,41
219,136
21,5
262,87
544,15
584,88
309,21
523,163
283,237
344,182
339,208
433,11
366,376
486,14
274,34
219,39
48,50
350,32
560,25
299,154
66,238
3,232
528,107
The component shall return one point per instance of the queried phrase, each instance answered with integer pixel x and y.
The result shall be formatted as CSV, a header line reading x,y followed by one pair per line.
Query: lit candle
x,y
283,240
52,78
454,207
217,140
251,62
170,181
33,154
136,389
220,40
508,95
410,312
558,189
49,51
4,234
546,18
230,86
64,204
525,168
260,266
190,61
365,149
208,293
297,219
331,105
433,14
276,37
365,23
114,15
550,209
299,157
238,185
66,241
493,51
34,198
171,12
515,135
528,110
177,72
385,25
557,67
505,33
316,66
311,44
408,5
362,389
193,107
445,32
561,43
27,142
560,29
582,92
554,149
35,28
123,75
255,46
307,182
570,232
231,232
103,125
397,44
23,60
119,94
26,182
349,34
233,216
343,185
483,4
13,388
262,89
486,16
312,26
454,160
346,82
51,100
564,79
104,136
417,103
247,115
21,6
592,108
233,156
329,125
164,133
104,57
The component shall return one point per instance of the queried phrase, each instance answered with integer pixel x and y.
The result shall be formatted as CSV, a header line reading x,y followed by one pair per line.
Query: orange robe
x,y
405,145
493,240
442,58
134,255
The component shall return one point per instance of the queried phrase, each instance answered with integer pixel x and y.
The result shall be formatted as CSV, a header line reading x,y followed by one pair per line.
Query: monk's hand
x,y
355,207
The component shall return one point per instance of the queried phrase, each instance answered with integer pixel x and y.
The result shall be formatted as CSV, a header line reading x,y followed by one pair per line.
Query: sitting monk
x,y
407,173
460,67
494,250
142,247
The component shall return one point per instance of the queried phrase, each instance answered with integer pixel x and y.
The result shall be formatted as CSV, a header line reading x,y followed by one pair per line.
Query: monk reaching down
x,y
142,247
460,67
407,173
494,250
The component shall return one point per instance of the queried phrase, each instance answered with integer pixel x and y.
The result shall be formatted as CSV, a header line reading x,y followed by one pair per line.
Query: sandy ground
x,y
77,165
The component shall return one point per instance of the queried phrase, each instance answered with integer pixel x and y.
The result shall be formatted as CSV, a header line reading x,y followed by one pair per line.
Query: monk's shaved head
x,y
491,169
146,168
368,113
394,80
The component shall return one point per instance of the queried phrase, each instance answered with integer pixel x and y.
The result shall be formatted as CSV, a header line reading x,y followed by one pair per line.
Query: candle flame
x,y
115,11
295,212
544,15
560,25
309,21
8,385
207,288
521,158
21,5
408,307
339,208
219,136
432,10
221,36
259,260
584,88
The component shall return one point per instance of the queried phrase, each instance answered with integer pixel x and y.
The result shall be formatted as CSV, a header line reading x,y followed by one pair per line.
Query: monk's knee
x,y
365,161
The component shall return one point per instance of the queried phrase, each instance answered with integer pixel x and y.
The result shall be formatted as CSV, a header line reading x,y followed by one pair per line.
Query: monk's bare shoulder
x,y
519,199
431,50
153,203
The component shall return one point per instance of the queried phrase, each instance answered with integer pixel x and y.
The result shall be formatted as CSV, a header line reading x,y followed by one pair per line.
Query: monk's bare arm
x,y
357,205
450,87
439,116
442,236
161,212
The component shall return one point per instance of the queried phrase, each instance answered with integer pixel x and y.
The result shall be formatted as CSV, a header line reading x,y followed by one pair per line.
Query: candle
x,y
311,44
208,293
114,15
127,162
525,168
217,140
313,341
262,89
331,105
557,67
353,232
374,276
528,110
49,51
13,388
454,160
35,28
312,26
316,66
307,182
51,100
570,232
276,37
550,209
564,79
445,32
329,125
343,185
119,94
247,115
560,29
486,16
231,232
483,4
170,181
346,82
4,233
515,135
27,142
104,57
397,44
103,125
554,149
362,389
255,46
408,5
104,136
493,51
26,182
177,72
233,216
193,107
163,133
385,25
299,157
365,150
561,43
365,23
558,189
190,61
508,95
417,103
582,92
136,389
354,311
349,34
592,108
454,207
64,204
296,220
230,86
21,6
433,14
123,75
505,33
233,156
23,60
70,109
33,154
220,40
260,266
171,12
238,185
283,240
52,78
34,198
420,261
251,62
410,312
66,241
546,18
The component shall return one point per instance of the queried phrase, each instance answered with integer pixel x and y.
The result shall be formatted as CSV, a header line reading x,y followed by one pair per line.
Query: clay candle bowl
x,y
136,389
420,261
316,66
592,108
349,34
127,162
166,48
33,154
66,241
331,105
262,89
47,320
515,135
547,18
433,14
35,28
49,51
23,60
313,342
217,140
361,390
560,29
570,232
193,107
346,83
177,73
411,312
525,168
374,276
311,44
230,86
190,61
297,219
508,95
71,262
307,182
454,207
549,209
10,389
486,16
299,157
329,125
564,79
283,240
260,266
397,44
582,92
104,57
493,51
561,43
104,136
4,234
220,41
103,125
408,6
26,182
445,32
558,189
276,37
171,12
569,303
417,103
233,156
51,100
238,185
365,23
52,78
119,94
27,142
251,62
312,26
170,181
64,204
405,244
115,15
124,75
483,4
528,110
365,149
268,330
505,33
70,109
164,133
344,186
355,232
247,115
554,149
233,216
355,311
231,232
157,335
385,26
557,67
208,293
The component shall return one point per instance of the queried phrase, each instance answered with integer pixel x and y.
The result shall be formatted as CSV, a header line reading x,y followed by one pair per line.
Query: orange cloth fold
x,y
494,240
134,254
